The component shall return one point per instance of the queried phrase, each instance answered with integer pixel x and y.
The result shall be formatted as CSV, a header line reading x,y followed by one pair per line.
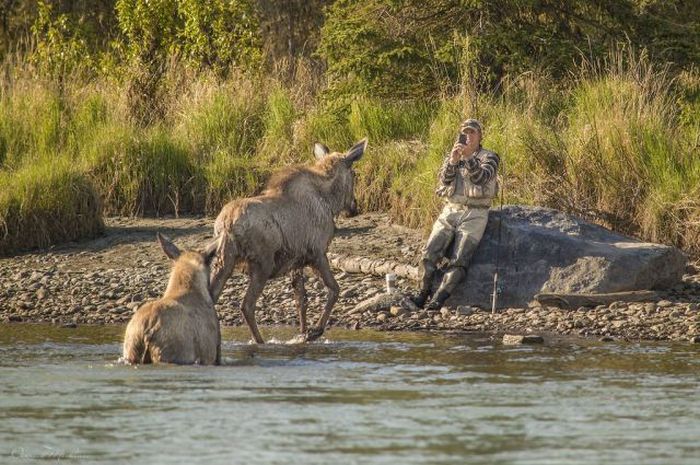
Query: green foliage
x,y
216,34
325,125
44,204
422,47
60,48
368,50
624,150
380,177
220,34
277,143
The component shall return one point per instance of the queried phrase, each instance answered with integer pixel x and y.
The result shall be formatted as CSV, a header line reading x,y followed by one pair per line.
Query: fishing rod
x,y
496,290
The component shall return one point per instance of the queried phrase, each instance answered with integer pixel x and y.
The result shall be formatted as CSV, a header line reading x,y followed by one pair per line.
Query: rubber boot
x,y
438,300
420,298
426,284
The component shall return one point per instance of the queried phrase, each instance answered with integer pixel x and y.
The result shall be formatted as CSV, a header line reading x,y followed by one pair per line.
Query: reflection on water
x,y
358,397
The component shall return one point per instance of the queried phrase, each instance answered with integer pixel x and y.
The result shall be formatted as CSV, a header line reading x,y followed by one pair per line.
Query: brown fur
x,y
286,228
181,327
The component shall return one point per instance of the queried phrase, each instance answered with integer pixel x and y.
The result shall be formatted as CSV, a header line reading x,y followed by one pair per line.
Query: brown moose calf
x,y
285,229
181,327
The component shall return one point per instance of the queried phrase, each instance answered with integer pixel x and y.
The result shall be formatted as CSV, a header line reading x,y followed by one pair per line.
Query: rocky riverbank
x,y
105,280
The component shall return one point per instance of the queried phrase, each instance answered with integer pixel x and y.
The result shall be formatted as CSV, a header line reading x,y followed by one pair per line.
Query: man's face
x,y
473,137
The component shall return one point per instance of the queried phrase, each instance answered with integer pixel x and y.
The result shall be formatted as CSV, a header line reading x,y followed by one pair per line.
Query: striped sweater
x,y
480,170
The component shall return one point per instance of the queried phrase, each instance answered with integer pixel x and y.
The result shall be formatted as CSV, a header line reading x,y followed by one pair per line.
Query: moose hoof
x,y
314,334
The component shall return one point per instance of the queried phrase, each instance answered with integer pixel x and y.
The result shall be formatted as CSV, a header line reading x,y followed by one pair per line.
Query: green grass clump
x,y
623,149
143,173
277,143
532,158
377,183
227,177
382,121
45,204
324,125
415,203
31,125
220,117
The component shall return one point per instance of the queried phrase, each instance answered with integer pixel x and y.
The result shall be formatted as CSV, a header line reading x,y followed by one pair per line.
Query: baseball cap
x,y
471,123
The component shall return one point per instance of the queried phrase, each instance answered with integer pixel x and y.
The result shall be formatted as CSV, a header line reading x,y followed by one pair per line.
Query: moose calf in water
x,y
182,327
286,228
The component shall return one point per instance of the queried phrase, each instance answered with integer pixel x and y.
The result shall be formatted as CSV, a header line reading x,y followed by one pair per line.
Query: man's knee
x,y
428,269
452,278
464,251
437,244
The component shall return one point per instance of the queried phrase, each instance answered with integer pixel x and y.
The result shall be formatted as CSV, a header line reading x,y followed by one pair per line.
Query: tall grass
x,y
144,173
383,121
30,124
618,144
46,203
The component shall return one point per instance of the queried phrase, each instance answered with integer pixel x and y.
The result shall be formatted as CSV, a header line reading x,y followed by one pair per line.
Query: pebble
x,y
397,310
513,339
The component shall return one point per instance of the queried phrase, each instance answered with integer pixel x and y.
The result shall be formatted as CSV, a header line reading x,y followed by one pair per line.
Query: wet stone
x,y
398,311
513,339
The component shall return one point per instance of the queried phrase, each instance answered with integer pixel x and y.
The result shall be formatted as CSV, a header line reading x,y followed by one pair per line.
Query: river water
x,y
358,397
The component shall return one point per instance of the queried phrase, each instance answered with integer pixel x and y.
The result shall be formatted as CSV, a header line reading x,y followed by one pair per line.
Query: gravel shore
x,y
104,280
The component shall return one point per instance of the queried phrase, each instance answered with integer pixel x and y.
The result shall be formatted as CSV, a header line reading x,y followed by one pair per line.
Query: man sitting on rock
x,y
468,182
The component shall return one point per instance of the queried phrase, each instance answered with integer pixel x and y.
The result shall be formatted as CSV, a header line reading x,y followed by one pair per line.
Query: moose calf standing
x,y
286,228
182,327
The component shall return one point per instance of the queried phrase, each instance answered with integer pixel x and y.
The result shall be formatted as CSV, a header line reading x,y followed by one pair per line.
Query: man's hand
x,y
458,151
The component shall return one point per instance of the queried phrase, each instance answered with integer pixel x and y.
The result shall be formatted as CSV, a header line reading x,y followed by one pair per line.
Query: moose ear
x,y
212,249
356,151
320,150
168,247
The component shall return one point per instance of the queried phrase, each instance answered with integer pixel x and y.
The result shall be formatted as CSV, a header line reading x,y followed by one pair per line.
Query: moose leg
x,y
255,286
221,268
323,269
300,296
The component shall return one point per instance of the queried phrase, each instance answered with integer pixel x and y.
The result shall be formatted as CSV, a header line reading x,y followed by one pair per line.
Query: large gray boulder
x,y
545,250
